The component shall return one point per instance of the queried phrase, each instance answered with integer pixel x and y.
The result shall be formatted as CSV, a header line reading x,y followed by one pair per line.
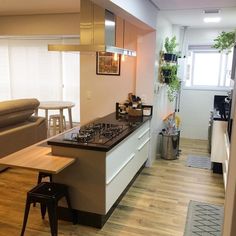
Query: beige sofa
x,y
18,127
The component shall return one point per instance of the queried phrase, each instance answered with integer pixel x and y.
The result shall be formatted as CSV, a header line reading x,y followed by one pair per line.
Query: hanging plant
x,y
173,88
170,46
225,41
168,72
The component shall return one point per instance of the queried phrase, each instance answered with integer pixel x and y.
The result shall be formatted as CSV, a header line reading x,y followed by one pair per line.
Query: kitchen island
x,y
105,165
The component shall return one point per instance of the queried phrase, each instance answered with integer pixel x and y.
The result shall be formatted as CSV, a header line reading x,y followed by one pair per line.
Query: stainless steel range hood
x,y
97,32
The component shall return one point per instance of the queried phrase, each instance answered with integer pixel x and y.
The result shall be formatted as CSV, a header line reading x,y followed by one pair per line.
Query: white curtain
x,y
28,69
5,90
71,80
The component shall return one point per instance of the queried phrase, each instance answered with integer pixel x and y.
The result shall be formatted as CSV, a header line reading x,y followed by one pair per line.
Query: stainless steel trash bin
x,y
169,146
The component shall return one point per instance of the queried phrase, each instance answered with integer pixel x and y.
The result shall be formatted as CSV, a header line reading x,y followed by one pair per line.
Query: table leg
x,y
70,117
61,121
47,122
46,117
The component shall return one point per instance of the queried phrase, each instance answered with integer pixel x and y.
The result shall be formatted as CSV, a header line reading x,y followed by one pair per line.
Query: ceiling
x,y
179,12
190,12
193,4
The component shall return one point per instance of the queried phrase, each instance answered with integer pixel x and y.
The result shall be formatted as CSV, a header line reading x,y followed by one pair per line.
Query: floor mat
x,y
199,162
204,219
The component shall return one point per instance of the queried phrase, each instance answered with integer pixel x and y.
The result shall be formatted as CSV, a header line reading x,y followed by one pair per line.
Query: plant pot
x,y
166,72
167,80
175,58
168,56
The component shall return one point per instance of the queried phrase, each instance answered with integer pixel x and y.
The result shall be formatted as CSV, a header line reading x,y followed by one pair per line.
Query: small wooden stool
x,y
54,122
47,194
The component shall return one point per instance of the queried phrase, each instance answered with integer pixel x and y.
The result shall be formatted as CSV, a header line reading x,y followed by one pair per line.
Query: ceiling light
x,y
212,19
212,11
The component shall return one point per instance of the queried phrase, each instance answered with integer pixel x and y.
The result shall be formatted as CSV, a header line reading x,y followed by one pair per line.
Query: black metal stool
x,y
47,194
42,175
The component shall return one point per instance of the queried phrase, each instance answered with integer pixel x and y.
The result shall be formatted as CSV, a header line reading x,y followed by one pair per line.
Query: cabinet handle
x,y
143,144
122,167
144,132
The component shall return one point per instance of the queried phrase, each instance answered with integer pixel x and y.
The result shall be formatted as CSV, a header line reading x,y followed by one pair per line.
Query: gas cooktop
x,y
101,135
95,133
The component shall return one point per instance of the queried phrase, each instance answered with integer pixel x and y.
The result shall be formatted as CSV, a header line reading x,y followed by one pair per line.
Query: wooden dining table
x,y
60,106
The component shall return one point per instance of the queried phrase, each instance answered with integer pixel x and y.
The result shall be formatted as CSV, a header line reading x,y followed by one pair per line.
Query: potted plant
x,y
225,41
168,71
170,45
173,88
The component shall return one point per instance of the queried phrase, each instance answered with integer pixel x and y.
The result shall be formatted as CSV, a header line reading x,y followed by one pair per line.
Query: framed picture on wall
x,y
106,64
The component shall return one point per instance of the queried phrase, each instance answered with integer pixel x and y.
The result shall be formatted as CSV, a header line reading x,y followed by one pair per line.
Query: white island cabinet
x,y
124,161
98,178
220,148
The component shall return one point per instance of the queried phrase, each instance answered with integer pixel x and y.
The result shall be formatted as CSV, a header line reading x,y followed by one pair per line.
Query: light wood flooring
x,y
156,204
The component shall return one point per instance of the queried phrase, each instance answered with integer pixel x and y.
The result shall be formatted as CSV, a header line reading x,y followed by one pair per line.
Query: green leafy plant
x,y
169,71
225,41
170,44
173,88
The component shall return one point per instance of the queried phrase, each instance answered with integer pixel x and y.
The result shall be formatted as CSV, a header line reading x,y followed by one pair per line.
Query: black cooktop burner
x,y
97,133
82,137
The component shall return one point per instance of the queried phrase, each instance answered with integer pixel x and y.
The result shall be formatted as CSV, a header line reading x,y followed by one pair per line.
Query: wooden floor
x,y
156,204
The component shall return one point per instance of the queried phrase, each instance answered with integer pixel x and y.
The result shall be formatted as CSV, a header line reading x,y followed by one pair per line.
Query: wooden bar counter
x,y
37,157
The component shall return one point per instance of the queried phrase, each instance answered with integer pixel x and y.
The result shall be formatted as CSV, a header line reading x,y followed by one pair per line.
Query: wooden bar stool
x,y
47,194
54,122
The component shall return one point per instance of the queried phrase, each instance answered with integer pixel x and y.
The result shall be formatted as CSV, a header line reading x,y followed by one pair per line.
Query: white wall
x,y
201,36
99,93
229,228
146,67
142,10
161,105
196,104
141,13
195,110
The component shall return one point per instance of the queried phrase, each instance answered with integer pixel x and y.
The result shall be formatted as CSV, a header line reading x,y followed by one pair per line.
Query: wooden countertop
x,y
37,157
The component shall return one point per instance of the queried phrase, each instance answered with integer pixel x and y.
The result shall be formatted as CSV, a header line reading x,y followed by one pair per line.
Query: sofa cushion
x,y
16,111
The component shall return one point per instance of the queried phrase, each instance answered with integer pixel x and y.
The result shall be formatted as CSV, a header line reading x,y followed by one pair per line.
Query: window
x,y
28,69
208,69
